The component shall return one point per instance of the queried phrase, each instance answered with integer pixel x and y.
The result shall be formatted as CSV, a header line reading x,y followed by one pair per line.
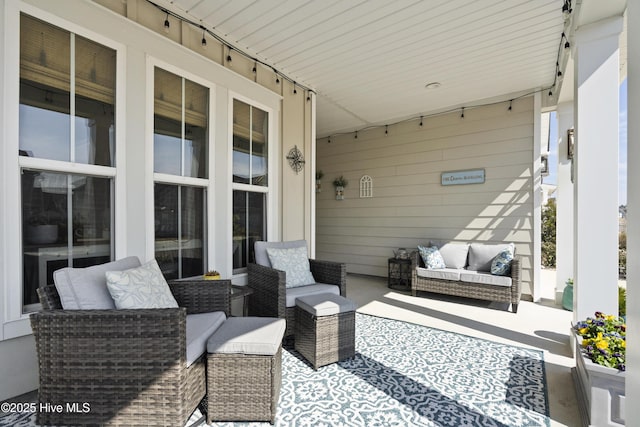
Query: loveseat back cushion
x,y
86,288
302,291
260,248
453,254
199,328
481,255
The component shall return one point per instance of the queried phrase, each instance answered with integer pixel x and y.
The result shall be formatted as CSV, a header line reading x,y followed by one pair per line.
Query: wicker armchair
x,y
269,298
128,365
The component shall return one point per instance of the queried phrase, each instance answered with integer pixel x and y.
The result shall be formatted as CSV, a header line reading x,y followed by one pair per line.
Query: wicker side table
x,y
400,274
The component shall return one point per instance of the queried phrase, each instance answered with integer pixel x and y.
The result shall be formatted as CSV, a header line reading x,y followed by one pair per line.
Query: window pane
x,y
249,226
44,90
192,231
95,100
241,141
196,129
179,211
167,138
54,236
260,126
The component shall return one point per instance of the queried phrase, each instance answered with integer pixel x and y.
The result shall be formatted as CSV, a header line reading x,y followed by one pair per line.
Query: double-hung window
x,y
250,181
181,176
66,155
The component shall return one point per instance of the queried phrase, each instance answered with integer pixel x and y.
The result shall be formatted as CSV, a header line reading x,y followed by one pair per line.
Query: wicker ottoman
x,y
244,369
325,329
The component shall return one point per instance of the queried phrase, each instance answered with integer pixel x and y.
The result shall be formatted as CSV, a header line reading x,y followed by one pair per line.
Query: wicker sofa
x,y
131,366
271,297
466,275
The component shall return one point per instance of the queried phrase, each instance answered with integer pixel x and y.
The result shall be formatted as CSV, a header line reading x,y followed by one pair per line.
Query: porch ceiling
x,y
369,60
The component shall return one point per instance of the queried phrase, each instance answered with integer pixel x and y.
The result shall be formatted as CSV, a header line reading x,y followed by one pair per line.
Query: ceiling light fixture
x,y
167,25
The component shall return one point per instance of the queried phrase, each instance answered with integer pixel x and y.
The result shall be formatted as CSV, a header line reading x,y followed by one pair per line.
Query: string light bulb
x,y
295,91
462,113
204,40
254,70
356,137
386,129
229,58
167,24
420,121
309,96
510,104
550,92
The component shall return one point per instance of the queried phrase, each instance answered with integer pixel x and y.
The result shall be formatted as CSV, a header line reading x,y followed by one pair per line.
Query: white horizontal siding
x,y
409,205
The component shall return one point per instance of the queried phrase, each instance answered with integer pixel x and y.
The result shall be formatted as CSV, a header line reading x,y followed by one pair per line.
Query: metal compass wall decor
x,y
296,159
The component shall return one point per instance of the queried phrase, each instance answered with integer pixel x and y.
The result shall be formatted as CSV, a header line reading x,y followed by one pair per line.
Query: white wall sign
x,y
474,176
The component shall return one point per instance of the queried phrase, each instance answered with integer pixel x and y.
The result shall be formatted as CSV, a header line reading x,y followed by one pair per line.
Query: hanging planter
x,y
339,184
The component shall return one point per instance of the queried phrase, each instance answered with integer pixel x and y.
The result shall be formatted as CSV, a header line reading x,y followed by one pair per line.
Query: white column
x,y
564,201
596,168
633,212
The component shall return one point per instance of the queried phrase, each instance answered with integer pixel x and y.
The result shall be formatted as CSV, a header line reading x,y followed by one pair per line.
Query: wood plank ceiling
x,y
369,60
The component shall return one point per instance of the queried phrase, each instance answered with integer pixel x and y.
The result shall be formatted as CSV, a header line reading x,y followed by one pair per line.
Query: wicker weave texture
x,y
269,285
506,294
129,365
242,387
326,339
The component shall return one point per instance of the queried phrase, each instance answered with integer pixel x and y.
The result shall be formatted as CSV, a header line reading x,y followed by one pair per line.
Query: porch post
x,y
596,168
564,201
633,209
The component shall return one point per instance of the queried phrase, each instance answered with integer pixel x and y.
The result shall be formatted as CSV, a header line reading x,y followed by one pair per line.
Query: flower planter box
x,y
600,391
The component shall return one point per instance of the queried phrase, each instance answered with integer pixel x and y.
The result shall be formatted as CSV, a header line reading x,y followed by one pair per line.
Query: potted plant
x,y
211,275
600,368
340,183
567,295
319,175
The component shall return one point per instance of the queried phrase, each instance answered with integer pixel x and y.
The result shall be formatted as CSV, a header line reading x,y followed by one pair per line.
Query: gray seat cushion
x,y
441,273
325,304
262,258
301,291
86,288
485,278
199,328
248,335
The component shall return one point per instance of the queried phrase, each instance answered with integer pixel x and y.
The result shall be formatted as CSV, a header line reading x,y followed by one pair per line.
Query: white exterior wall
x,y
143,46
409,205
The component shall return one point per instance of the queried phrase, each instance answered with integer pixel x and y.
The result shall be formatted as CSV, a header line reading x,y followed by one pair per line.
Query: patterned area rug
x,y
408,375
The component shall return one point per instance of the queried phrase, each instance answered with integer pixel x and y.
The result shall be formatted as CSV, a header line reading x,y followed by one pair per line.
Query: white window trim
x,y
273,180
207,183
15,323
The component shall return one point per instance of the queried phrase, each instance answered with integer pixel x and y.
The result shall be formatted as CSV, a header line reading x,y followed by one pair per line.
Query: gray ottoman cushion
x,y
325,304
199,328
248,335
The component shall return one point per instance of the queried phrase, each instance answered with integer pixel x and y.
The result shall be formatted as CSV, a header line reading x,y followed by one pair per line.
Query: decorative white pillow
x,y
431,257
501,264
141,287
295,263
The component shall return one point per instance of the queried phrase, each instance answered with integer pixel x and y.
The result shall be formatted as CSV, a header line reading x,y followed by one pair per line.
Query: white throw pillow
x,y
295,263
141,287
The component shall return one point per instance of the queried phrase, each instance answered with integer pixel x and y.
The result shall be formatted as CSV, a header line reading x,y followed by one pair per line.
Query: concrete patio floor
x,y
544,326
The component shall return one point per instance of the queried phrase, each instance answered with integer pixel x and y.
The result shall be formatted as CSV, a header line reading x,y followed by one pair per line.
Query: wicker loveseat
x,y
466,274
126,366
271,297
